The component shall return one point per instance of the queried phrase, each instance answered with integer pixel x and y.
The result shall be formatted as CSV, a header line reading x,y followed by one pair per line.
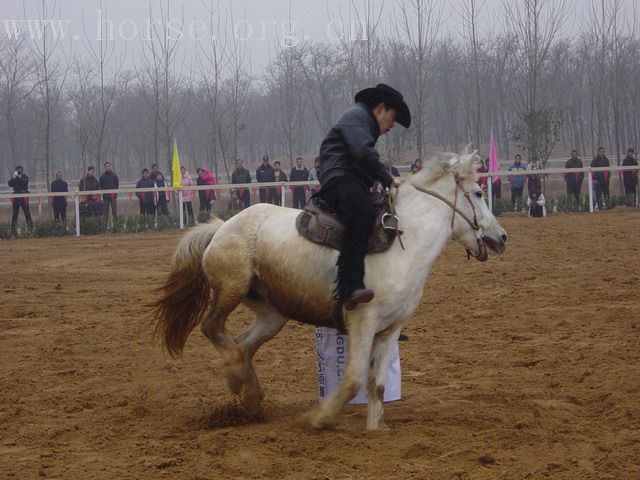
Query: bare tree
x,y
416,23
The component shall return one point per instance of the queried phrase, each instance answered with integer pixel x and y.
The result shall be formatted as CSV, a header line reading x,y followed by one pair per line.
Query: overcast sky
x,y
260,22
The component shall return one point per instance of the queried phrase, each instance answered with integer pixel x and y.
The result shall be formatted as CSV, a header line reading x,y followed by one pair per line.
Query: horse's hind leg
x,y
381,356
240,377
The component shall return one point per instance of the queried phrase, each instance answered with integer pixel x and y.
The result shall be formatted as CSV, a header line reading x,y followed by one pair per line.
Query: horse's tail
x,y
185,294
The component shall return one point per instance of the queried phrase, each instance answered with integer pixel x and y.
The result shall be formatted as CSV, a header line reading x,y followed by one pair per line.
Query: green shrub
x,y
167,222
50,228
92,225
5,230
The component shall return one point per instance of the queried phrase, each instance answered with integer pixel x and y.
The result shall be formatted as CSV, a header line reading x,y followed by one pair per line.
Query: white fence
x,y
76,195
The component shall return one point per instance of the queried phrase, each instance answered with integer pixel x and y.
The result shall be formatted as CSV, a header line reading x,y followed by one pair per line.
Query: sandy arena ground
x,y
527,366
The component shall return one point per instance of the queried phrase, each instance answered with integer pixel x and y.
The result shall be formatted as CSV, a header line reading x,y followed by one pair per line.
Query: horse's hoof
x,y
252,400
316,420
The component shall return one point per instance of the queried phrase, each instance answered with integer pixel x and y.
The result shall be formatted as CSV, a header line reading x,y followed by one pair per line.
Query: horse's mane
x,y
462,166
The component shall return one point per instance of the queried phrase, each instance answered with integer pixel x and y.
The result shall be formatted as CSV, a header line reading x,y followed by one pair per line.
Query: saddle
x,y
319,225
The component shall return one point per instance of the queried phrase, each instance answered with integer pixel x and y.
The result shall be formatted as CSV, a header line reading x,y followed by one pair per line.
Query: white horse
x,y
257,258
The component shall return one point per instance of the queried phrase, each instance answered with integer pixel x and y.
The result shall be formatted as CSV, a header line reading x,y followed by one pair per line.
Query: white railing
x,y
75,195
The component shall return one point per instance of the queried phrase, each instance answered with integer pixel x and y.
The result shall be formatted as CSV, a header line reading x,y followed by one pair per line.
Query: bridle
x,y
454,207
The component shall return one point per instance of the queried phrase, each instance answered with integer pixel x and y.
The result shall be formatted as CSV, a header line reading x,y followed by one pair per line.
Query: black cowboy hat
x,y
389,96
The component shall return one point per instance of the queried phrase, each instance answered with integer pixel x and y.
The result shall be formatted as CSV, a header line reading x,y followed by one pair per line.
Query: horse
x,y
257,258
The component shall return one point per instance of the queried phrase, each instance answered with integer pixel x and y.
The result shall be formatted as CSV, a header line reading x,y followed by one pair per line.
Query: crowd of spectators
x,y
157,202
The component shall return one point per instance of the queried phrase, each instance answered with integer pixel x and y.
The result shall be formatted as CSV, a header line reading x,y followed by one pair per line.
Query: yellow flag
x,y
175,166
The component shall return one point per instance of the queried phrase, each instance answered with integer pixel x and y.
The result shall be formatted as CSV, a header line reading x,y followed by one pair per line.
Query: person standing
x,y
299,173
20,184
206,197
536,204
90,205
601,179
574,180
280,176
162,206
349,166
416,166
59,204
187,195
630,178
109,181
314,174
241,175
266,173
146,199
517,181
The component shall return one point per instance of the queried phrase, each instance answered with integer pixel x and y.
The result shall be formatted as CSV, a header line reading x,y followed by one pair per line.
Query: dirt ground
x,y
527,366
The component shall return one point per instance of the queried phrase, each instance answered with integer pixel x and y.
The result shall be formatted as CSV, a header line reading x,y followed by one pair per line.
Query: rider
x,y
349,166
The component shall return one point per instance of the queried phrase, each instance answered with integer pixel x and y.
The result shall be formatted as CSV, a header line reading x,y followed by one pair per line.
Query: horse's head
x,y
452,179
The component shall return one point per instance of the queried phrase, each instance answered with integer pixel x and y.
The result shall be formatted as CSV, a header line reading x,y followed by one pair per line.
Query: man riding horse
x,y
349,166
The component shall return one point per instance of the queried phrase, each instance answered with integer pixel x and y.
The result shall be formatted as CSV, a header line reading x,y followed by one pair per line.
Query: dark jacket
x,y
242,176
600,177
59,186
301,175
146,197
348,150
280,177
205,196
629,177
265,174
88,184
109,181
20,184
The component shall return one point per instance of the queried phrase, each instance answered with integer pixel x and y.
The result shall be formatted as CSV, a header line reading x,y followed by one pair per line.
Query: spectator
x,y
20,184
265,173
109,181
601,179
90,205
496,187
162,205
574,180
393,171
534,181
241,175
517,181
536,204
155,171
416,166
280,176
187,195
147,204
313,175
630,178
299,173
59,204
207,197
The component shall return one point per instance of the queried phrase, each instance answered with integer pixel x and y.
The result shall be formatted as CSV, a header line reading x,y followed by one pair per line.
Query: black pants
x,y
630,186
299,199
110,202
574,188
267,195
163,208
59,212
354,206
602,190
24,204
147,209
516,192
187,207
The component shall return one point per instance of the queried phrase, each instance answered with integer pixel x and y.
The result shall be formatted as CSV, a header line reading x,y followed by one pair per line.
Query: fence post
x,y
282,191
76,201
490,192
590,183
181,209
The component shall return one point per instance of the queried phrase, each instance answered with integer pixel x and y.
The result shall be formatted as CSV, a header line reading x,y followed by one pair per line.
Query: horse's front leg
x,y
381,356
361,333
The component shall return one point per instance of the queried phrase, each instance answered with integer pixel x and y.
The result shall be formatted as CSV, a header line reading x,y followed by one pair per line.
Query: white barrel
x,y
332,351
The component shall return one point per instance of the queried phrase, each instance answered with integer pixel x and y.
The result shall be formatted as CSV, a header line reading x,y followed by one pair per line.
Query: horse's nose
x,y
504,237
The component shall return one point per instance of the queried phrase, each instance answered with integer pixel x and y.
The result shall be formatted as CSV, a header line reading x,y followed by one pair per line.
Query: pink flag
x,y
493,157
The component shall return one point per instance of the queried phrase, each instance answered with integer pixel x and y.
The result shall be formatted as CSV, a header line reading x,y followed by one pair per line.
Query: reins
x,y
472,223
